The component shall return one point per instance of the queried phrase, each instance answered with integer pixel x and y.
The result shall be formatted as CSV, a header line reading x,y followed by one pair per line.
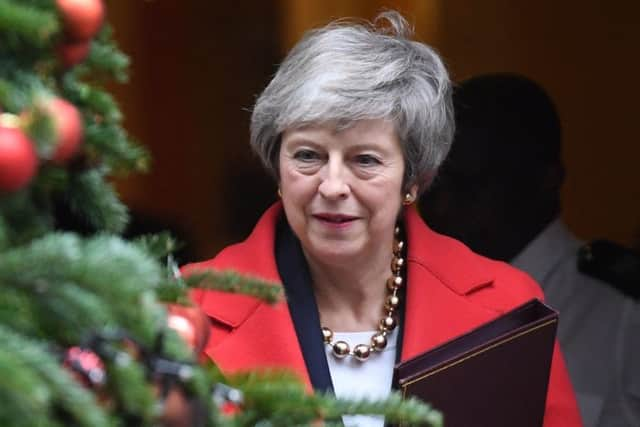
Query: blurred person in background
x,y
499,192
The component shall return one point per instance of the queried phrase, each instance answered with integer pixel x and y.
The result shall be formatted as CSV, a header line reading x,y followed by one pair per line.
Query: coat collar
x,y
233,309
442,276
449,260
247,332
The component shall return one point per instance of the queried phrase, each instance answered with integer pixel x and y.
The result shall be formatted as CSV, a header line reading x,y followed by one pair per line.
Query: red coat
x,y
450,288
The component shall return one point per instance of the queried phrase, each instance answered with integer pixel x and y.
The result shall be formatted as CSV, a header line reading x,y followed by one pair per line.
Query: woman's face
x,y
342,190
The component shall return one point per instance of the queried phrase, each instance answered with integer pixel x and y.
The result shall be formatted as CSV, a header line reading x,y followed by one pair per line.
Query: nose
x,y
334,180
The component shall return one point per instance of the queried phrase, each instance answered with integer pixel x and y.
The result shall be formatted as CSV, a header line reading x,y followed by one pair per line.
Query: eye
x,y
367,160
306,155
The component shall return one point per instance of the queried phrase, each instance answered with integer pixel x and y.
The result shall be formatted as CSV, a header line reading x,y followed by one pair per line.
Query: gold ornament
x,y
392,303
379,341
394,283
341,349
396,264
362,352
397,250
327,334
388,323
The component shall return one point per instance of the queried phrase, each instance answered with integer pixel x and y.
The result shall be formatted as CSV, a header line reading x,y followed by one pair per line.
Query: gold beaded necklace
x,y
361,352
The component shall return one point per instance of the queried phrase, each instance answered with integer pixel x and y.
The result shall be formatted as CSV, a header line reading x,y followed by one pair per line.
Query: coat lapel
x,y
247,333
434,314
301,302
265,339
442,273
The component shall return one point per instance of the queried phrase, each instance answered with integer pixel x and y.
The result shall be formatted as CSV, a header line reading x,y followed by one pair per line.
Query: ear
x,y
413,190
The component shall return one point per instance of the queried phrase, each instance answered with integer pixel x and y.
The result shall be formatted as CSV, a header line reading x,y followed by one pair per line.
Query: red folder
x,y
494,376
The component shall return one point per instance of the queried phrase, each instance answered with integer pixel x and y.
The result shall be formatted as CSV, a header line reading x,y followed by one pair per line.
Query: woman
x,y
353,127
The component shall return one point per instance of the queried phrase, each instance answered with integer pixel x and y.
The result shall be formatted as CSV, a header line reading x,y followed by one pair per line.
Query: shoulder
x,y
510,287
493,284
613,264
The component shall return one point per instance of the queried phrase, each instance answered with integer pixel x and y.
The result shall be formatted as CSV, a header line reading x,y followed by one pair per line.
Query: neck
x,y
350,297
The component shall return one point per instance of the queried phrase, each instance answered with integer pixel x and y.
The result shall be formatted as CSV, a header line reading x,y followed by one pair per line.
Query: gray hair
x,y
351,71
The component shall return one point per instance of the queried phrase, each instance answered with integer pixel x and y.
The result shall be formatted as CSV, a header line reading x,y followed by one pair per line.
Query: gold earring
x,y
408,199
279,192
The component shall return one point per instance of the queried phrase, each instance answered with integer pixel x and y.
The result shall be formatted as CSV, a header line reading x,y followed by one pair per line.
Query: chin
x,y
334,253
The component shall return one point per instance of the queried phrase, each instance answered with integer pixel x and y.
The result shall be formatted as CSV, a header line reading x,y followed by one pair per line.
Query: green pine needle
x,y
408,411
104,57
118,272
158,245
231,281
57,386
129,386
95,201
34,24
26,215
278,398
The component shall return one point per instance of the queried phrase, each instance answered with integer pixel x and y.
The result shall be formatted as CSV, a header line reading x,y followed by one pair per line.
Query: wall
x,y
197,66
585,54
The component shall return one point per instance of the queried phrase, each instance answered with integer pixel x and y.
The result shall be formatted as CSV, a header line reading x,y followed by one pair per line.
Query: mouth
x,y
335,218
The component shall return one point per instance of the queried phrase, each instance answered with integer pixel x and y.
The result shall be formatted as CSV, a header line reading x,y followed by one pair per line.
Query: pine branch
x,y
280,399
41,132
69,313
114,148
86,96
95,201
158,245
62,389
31,23
172,291
16,312
409,411
105,60
19,86
22,390
173,347
12,96
118,272
231,281
24,217
129,386
103,133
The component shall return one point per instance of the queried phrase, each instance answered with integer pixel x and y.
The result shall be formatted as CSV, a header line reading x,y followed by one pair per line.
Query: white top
x,y
371,379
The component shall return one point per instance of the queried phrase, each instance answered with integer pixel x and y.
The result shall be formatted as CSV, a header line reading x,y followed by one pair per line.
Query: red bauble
x,y
86,366
82,18
72,53
67,126
18,159
191,324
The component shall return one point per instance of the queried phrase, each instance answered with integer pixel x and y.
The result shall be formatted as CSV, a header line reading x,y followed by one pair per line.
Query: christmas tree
x,y
96,330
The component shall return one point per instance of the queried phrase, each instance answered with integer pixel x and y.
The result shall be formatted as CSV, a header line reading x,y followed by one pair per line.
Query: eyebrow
x,y
305,136
301,139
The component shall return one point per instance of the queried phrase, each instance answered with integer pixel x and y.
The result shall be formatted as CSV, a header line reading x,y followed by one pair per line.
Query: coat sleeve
x,y
561,409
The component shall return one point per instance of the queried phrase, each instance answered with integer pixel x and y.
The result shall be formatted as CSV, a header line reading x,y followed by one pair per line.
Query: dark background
x,y
198,66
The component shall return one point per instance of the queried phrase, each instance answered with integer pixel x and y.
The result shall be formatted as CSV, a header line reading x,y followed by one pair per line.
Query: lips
x,y
335,218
